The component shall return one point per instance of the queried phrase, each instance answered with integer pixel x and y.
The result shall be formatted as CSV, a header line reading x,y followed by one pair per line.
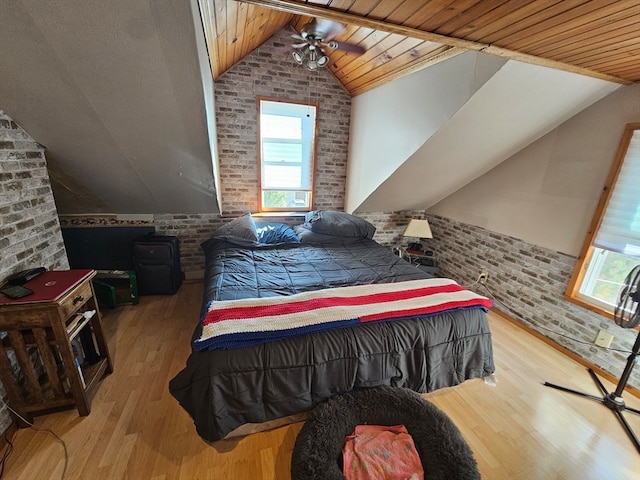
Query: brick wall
x,y
29,228
390,226
192,229
271,71
528,283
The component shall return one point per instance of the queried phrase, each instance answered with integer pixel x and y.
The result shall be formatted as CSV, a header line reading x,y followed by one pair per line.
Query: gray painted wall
x,y
546,193
115,92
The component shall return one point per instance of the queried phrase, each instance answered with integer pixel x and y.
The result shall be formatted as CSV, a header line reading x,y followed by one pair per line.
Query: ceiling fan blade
x,y
346,47
326,29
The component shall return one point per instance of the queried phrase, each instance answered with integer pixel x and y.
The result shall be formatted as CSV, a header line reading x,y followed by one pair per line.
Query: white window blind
x,y
620,227
286,137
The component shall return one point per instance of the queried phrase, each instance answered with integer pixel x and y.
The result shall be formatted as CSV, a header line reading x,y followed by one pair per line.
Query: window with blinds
x,y
612,246
287,138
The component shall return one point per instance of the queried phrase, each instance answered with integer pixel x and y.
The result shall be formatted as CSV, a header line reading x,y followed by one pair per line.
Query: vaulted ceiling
x,y
597,38
117,91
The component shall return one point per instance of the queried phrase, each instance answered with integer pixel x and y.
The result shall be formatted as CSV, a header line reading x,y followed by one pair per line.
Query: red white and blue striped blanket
x,y
240,323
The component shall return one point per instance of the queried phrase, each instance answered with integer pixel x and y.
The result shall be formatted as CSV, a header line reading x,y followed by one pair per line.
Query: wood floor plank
x,y
517,428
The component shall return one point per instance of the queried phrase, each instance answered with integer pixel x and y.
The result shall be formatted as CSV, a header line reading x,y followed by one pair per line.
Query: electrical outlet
x,y
483,277
604,339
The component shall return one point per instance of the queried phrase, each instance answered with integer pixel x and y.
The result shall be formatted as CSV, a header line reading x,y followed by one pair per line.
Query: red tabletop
x,y
49,286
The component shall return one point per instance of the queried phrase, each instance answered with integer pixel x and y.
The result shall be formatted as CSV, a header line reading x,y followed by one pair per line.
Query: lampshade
x,y
418,228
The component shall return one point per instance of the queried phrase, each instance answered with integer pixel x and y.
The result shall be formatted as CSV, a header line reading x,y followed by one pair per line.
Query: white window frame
x,y
308,115
593,257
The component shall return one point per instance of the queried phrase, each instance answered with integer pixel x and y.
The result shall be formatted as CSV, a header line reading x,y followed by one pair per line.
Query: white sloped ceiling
x,y
498,112
114,91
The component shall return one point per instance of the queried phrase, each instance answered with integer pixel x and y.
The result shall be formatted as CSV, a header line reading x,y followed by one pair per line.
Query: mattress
x,y
224,389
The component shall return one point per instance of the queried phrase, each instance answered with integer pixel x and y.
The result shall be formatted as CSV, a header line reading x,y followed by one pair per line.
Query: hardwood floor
x,y
518,429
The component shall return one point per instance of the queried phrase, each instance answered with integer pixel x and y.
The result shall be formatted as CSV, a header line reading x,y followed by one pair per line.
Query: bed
x,y
223,388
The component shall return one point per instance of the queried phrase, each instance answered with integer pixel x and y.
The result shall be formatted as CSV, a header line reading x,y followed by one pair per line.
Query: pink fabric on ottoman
x,y
380,452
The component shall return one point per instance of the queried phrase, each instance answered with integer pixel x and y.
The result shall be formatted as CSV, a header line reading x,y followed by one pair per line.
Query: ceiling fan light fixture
x,y
323,60
298,57
312,64
319,35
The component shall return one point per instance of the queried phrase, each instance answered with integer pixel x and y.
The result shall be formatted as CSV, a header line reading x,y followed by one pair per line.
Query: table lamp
x,y
419,229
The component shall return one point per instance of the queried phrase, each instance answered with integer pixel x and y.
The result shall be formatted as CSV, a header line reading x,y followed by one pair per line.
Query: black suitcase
x,y
156,261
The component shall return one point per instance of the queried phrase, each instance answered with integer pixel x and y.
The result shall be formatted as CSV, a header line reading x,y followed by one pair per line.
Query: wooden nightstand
x,y
38,366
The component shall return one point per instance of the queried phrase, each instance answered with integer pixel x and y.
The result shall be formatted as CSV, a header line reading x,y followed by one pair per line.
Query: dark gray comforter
x,y
223,389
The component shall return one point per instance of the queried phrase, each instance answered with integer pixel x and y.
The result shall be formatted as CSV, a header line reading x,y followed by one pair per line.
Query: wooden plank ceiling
x,y
599,38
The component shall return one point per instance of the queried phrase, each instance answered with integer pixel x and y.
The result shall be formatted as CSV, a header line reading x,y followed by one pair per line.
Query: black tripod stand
x,y
613,400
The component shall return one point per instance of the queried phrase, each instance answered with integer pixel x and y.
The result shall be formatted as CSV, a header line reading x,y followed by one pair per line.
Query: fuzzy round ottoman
x,y
317,454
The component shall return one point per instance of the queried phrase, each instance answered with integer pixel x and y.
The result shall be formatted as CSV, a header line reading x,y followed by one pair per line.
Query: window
x,y
286,154
612,246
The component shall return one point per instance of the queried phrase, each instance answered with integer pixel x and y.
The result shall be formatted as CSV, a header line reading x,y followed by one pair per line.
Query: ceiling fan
x,y
315,35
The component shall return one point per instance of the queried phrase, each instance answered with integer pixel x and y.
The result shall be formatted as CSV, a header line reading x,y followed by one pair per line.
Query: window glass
x,y
278,126
281,176
612,246
276,152
605,276
286,154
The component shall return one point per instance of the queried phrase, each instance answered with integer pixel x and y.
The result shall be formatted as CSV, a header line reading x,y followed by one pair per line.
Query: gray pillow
x,y
341,224
307,236
243,227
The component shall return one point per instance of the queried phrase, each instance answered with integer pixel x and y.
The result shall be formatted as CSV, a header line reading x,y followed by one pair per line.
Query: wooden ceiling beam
x,y
314,10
